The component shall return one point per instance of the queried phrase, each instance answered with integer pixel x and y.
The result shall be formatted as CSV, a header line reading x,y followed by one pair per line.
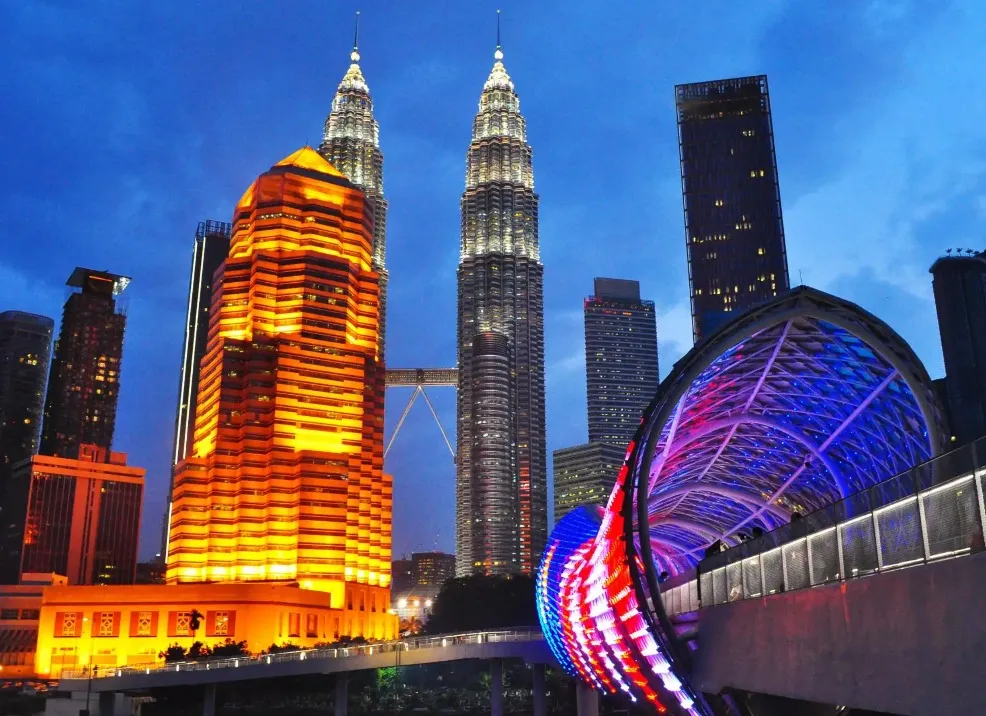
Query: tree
x,y
286,646
175,652
198,652
229,648
410,626
480,602
195,621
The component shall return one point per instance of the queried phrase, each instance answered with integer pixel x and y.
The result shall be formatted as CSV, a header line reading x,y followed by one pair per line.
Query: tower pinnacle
x,y
498,55
354,55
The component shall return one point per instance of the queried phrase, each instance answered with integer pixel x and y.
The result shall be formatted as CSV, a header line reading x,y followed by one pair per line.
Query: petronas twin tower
x,y
501,471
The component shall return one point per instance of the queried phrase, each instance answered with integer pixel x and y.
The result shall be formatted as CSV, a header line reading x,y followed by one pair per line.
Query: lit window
x,y
222,624
106,624
69,621
144,621
183,624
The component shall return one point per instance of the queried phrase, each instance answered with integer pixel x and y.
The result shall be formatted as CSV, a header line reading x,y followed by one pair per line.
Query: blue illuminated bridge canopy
x,y
790,407
793,406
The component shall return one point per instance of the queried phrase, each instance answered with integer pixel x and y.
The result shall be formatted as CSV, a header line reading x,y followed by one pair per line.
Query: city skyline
x,y
894,206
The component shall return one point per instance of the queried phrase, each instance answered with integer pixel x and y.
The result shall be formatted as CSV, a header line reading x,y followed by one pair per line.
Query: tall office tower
x,y
285,477
208,253
351,143
432,569
83,516
621,369
585,475
501,486
733,225
25,350
84,386
960,299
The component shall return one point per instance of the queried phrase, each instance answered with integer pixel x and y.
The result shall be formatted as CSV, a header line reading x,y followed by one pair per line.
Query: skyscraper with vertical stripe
x,y
351,143
501,487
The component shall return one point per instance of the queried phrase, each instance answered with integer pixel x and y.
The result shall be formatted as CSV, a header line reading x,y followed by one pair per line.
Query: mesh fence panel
x,y
859,547
719,585
796,556
751,570
734,581
824,557
773,571
707,593
951,517
900,533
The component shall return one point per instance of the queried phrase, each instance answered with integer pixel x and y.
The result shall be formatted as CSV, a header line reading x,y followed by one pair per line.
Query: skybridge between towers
x,y
419,379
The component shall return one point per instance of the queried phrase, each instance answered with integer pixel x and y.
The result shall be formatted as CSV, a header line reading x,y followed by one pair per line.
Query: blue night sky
x,y
124,124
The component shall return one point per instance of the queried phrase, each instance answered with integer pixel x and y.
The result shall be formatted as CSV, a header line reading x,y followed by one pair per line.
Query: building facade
x,y
25,352
285,477
82,517
960,300
501,485
209,251
351,143
621,368
432,569
734,230
84,387
585,475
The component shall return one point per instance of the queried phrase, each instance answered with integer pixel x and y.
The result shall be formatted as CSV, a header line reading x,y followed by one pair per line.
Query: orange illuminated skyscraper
x,y
285,479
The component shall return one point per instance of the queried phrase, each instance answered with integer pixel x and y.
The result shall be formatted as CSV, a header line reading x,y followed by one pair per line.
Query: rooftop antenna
x,y
354,56
499,51
801,277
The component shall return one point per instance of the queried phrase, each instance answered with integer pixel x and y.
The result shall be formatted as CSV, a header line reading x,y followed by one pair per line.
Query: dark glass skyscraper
x,y
84,386
621,369
733,225
501,485
25,351
960,299
209,250
351,143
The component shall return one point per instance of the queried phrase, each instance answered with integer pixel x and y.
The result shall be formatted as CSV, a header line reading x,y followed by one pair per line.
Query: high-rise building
x,y
83,516
960,299
84,386
585,475
621,370
501,485
351,143
209,250
432,569
25,351
733,226
285,478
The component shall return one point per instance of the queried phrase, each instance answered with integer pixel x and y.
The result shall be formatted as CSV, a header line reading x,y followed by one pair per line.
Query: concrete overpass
x,y
107,688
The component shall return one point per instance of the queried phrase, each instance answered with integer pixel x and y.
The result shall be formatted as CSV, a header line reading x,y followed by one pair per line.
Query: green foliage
x,y
175,652
480,602
229,649
197,652
286,646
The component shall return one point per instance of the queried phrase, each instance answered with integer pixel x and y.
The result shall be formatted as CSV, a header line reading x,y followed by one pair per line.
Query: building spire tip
x,y
498,55
354,55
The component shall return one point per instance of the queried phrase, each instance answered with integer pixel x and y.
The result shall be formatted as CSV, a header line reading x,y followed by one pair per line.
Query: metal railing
x,y
934,511
383,647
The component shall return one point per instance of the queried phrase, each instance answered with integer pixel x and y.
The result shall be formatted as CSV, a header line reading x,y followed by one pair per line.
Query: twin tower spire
x,y
501,472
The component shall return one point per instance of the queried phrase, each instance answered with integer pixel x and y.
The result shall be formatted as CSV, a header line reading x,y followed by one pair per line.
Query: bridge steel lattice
x,y
793,405
419,378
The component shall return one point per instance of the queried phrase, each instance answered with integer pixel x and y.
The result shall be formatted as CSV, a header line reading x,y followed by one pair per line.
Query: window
x,y
183,624
144,622
294,624
222,624
30,614
8,614
69,622
106,623
311,625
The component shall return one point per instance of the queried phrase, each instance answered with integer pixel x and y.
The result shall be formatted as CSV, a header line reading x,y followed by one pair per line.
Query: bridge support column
x,y
342,693
106,704
209,700
586,700
540,703
496,687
